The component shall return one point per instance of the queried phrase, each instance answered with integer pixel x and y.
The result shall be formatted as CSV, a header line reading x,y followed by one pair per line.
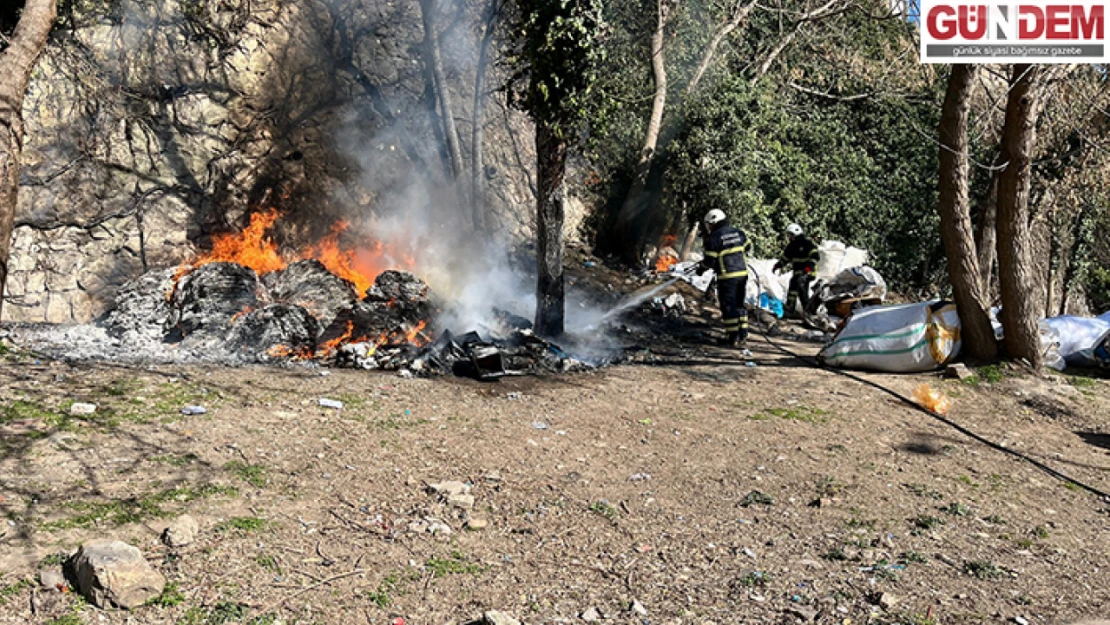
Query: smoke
x,y
418,211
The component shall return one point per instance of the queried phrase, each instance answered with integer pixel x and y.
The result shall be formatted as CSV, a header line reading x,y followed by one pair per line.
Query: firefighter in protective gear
x,y
801,257
726,250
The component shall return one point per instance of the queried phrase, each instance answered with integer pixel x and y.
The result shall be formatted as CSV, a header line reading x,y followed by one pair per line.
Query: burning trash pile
x,y
332,303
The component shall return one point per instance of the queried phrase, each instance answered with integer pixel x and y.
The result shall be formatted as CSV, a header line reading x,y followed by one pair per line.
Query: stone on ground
x,y
111,573
183,531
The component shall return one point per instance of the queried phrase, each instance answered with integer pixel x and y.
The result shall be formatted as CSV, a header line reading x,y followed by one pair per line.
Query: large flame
x,y
252,247
249,248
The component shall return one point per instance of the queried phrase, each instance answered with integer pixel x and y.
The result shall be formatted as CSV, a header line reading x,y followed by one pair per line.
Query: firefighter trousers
x,y
799,290
734,316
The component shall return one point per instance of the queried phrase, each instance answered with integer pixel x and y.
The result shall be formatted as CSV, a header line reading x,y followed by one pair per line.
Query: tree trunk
x,y
551,165
16,63
688,241
477,167
630,221
443,94
955,219
1020,308
986,235
740,13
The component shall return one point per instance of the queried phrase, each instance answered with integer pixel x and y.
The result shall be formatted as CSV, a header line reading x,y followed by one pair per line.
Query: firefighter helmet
x,y
714,217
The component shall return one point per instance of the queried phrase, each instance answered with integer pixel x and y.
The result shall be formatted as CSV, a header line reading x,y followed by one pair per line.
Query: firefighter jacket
x,y
725,252
801,255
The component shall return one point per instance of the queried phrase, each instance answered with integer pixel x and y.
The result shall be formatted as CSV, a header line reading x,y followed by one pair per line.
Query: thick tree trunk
x,y
477,167
631,220
986,236
16,63
955,219
443,94
1020,306
551,165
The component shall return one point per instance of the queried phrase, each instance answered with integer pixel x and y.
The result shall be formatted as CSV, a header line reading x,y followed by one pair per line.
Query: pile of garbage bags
x,y
897,339
925,336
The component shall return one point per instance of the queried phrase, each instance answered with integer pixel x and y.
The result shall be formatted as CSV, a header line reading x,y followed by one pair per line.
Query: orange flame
x,y
360,265
284,351
249,248
664,262
339,261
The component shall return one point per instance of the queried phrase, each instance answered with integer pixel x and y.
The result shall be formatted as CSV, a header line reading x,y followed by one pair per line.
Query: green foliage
x,y
253,474
132,509
605,509
856,171
171,596
757,498
982,569
557,60
456,564
13,589
242,524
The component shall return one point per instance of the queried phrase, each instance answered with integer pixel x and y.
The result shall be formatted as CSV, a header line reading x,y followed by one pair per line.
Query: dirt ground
x,y
705,489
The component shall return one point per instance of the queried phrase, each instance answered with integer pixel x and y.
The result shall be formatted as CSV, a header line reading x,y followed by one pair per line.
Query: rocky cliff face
x,y
153,125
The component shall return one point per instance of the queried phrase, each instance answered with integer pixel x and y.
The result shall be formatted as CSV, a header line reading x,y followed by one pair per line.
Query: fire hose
x,y
816,364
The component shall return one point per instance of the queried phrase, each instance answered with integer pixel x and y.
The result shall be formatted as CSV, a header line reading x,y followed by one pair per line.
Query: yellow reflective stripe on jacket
x,y
733,250
733,274
711,254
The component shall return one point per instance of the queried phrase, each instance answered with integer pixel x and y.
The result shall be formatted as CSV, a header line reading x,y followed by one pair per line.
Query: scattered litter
x,y
932,399
540,425
638,608
749,364
194,410
1020,621
79,408
748,552
331,403
639,477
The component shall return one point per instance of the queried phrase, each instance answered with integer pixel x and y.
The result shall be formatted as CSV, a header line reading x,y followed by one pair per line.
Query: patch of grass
x,y
924,523
133,509
992,374
957,509
912,557
994,519
835,555
966,480
253,474
269,563
757,498
755,579
54,559
391,584
22,409
243,524
171,596
68,619
1081,382
971,380
176,461
605,509
13,589
923,491
982,569
867,524
456,564
836,449
1072,486
1040,532
804,414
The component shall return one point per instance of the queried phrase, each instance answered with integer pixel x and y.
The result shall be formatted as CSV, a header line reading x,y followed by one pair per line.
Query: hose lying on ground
x,y
813,362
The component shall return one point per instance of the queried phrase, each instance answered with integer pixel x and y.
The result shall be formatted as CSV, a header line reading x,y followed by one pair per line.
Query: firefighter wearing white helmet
x,y
801,256
726,249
